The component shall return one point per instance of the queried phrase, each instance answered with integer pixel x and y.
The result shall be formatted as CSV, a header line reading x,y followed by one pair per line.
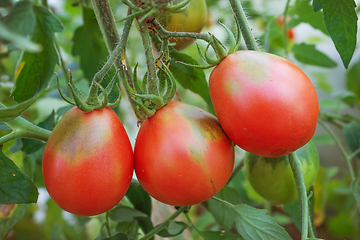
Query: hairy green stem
x,y
245,28
152,80
285,28
167,34
223,202
164,224
311,230
193,225
22,128
347,157
301,189
106,21
107,225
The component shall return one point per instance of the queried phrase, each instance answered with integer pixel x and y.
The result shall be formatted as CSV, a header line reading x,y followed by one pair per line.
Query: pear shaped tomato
x,y
182,155
88,162
265,103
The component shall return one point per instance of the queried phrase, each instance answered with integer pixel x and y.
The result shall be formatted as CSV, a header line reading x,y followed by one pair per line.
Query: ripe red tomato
x,y
192,19
272,178
265,103
182,155
88,162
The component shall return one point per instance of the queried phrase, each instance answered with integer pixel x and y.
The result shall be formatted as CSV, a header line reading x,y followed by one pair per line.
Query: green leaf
x,y
307,53
118,236
139,198
15,186
323,139
142,202
341,22
129,228
355,189
18,40
224,215
317,5
34,70
173,229
10,215
254,223
32,145
353,80
352,135
9,113
346,97
3,126
89,44
306,14
216,235
5,3
125,214
21,18
190,78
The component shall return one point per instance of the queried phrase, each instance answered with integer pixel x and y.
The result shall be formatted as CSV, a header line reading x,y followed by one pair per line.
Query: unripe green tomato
x,y
192,19
272,178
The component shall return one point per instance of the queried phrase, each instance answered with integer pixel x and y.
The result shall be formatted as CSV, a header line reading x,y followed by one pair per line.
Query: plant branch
x,y
245,28
106,21
347,157
285,28
223,202
301,189
152,80
167,34
164,224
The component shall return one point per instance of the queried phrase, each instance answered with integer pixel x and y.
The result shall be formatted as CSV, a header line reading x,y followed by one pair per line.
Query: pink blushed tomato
x,y
264,102
88,162
182,155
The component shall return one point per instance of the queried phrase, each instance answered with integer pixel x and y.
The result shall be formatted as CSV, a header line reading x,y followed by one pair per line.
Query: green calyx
x,y
93,100
219,48
148,8
145,102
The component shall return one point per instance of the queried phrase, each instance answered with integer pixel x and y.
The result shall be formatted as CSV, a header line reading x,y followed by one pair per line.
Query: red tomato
x,y
182,155
265,103
88,162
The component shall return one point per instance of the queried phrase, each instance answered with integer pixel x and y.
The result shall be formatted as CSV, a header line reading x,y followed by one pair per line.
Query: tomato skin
x,y
272,178
182,155
265,103
192,19
88,162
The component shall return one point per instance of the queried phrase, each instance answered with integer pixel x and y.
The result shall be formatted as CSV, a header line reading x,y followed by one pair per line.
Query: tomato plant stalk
x,y
300,185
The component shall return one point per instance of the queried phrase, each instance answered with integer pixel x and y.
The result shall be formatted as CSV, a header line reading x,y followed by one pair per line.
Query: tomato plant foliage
x,y
263,145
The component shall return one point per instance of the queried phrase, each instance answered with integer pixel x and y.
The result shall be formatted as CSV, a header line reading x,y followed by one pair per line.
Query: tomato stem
x,y
223,202
22,128
164,224
301,189
106,21
152,80
347,157
245,28
285,38
167,34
